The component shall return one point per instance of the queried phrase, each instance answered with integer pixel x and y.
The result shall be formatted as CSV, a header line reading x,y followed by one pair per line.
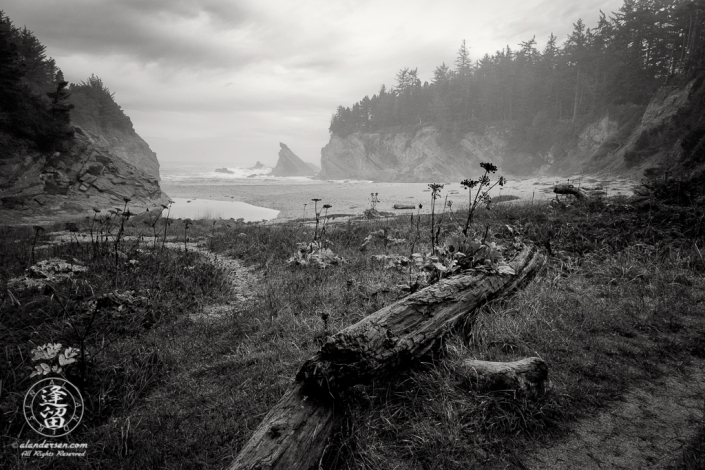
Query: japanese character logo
x,y
53,407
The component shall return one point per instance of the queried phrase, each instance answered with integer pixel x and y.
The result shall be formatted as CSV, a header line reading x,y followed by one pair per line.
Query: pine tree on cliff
x,y
60,107
462,62
11,69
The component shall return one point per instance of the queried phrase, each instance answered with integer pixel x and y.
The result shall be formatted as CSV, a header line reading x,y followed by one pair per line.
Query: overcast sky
x,y
222,82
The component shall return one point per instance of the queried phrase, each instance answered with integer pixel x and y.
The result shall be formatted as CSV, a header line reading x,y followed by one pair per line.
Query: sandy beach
x,y
352,198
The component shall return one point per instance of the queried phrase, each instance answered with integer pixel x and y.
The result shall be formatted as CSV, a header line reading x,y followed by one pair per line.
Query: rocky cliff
x,y
419,156
124,143
82,176
290,165
627,140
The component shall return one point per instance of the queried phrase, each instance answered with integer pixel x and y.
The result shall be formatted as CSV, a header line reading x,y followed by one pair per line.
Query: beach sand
x,y
352,198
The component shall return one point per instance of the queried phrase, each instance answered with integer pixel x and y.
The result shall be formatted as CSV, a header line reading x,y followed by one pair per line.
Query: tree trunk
x,y
293,435
525,378
570,189
391,338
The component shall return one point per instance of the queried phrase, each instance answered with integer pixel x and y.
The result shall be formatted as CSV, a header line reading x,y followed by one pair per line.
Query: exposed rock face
x,y
258,166
224,170
627,144
74,181
402,156
124,144
290,165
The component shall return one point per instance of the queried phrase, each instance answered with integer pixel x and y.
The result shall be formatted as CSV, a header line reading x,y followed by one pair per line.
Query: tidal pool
x,y
183,208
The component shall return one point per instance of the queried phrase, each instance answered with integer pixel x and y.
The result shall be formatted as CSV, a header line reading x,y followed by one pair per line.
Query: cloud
x,y
237,77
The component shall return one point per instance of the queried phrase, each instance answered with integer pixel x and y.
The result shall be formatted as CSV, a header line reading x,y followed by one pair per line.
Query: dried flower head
x,y
468,183
488,167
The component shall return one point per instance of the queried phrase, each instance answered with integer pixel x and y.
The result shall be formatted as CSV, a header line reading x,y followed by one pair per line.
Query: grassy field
x,y
619,303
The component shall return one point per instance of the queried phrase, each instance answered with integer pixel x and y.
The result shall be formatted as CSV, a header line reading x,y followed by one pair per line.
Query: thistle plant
x,y
124,216
435,194
96,211
166,222
482,196
37,229
325,218
318,215
187,225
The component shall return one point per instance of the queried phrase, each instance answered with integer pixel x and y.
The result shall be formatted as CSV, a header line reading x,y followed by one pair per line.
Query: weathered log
x,y
579,193
392,337
293,435
525,378
404,206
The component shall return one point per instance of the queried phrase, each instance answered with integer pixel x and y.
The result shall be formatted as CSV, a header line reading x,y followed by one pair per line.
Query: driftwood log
x,y
404,206
296,431
579,193
525,378
293,435
392,337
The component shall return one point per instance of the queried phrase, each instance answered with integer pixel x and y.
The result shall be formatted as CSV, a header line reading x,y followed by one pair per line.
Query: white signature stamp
x,y
53,407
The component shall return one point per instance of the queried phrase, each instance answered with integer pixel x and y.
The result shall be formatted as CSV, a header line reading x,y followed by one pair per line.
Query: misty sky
x,y
222,82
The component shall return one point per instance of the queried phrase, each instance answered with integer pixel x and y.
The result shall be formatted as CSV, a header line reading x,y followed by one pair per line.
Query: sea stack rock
x,y
290,165
258,166
224,170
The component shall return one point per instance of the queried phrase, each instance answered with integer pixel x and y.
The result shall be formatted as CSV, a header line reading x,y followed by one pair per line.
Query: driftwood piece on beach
x,y
404,206
526,378
570,189
394,336
295,433
292,436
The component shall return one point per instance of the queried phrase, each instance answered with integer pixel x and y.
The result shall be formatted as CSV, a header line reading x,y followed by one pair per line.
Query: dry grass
x,y
620,302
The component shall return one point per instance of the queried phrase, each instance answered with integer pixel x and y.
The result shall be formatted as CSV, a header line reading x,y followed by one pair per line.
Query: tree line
x,y
37,104
622,60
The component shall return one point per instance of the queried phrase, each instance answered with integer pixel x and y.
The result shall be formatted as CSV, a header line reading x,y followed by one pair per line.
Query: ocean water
x,y
255,195
198,192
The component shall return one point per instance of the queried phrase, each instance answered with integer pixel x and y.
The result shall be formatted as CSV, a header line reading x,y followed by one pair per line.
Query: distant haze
x,y
221,83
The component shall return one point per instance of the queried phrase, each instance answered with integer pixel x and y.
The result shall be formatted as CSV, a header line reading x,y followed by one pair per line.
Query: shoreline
x,y
353,198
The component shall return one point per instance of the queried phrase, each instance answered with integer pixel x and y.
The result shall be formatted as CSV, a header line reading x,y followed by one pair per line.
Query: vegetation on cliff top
x,y
610,68
37,105
33,106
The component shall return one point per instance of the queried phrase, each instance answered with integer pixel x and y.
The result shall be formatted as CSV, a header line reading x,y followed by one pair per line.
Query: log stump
x,y
525,378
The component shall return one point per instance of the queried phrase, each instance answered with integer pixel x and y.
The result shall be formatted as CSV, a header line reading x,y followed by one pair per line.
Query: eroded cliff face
x,y
85,175
403,156
123,143
627,141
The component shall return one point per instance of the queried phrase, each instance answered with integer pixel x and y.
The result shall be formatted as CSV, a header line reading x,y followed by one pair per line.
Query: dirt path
x,y
648,429
242,279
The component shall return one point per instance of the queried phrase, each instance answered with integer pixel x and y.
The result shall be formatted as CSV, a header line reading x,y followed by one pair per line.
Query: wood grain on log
x,y
526,378
570,189
392,337
292,436
404,206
